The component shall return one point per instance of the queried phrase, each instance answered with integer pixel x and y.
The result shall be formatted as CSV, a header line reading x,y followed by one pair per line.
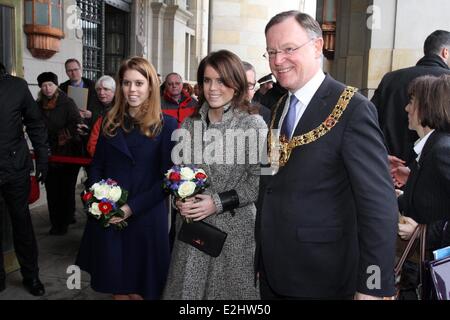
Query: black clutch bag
x,y
203,236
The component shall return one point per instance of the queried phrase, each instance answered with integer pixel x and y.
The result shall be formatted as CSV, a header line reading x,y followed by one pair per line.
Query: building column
x,y
174,45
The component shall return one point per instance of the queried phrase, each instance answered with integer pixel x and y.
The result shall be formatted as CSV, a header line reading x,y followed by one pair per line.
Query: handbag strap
x,y
419,232
422,236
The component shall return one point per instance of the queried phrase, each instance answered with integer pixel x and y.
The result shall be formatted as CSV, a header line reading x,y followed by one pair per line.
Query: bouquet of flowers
x,y
103,201
185,181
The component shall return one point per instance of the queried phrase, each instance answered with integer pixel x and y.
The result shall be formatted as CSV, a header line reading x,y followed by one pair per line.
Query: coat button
x,y
269,190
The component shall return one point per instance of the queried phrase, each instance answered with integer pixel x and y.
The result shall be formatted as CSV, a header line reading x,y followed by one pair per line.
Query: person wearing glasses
x,y
74,72
327,214
176,102
250,73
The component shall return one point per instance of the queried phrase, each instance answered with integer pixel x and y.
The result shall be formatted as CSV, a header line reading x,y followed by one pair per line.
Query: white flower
x,y
95,186
101,191
168,173
187,173
115,193
95,210
186,189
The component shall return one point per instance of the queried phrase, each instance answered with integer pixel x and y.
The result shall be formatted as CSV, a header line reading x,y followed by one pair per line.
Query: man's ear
x,y
318,45
445,53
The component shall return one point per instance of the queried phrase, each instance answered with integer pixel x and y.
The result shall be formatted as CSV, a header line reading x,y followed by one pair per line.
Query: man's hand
x,y
395,162
399,171
362,296
400,176
85,114
41,172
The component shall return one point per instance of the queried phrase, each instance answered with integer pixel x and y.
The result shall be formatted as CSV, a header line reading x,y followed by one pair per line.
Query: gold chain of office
x,y
286,146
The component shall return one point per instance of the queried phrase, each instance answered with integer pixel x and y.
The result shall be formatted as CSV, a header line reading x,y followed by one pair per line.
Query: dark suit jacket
x,y
391,98
331,212
427,192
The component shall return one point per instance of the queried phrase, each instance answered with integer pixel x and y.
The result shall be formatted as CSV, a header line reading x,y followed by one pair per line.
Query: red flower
x,y
105,207
200,176
174,176
87,196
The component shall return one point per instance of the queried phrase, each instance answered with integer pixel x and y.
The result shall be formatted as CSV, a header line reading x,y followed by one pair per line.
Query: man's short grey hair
x,y
436,41
107,82
307,22
248,66
172,74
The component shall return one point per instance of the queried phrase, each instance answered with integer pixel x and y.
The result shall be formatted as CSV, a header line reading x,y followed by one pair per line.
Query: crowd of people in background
x,y
309,230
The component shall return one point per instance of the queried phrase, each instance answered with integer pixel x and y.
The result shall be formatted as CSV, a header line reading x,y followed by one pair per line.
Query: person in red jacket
x,y
176,102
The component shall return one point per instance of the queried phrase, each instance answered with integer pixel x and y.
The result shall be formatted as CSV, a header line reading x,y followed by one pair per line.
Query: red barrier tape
x,y
71,160
66,159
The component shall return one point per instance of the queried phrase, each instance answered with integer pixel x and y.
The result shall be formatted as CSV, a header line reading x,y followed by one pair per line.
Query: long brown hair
x,y
229,67
149,117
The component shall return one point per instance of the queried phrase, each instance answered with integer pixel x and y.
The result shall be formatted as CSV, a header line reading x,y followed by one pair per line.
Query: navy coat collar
x,y
118,142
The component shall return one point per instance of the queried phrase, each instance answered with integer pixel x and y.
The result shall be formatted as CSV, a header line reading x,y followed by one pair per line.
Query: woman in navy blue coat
x,y
133,149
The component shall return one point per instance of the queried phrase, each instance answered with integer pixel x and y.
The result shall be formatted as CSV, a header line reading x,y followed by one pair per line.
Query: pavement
x,y
56,255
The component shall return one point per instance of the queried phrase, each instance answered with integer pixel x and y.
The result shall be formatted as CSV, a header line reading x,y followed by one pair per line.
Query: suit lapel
x,y
427,147
118,142
317,110
417,167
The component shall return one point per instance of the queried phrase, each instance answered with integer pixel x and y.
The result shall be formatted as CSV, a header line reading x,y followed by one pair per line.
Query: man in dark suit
x,y
74,72
327,219
18,109
391,96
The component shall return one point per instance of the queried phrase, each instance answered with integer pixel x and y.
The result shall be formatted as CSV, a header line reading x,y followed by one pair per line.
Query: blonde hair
x,y
149,117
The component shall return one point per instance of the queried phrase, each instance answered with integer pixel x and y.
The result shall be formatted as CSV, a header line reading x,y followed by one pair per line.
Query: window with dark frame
x,y
92,20
116,39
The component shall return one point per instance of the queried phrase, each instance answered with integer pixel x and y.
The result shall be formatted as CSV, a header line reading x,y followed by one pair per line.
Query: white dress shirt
x,y
304,96
419,144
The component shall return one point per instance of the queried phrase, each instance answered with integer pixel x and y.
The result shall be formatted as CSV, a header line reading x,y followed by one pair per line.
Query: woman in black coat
x,y
427,193
61,117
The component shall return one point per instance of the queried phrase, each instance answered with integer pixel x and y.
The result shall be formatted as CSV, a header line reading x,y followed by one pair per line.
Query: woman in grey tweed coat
x,y
228,202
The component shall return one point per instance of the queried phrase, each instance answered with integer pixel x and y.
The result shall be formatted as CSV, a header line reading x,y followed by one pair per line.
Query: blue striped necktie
x,y
289,119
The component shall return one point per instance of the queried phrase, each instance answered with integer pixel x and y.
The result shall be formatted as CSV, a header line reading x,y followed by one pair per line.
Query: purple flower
x,y
174,186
